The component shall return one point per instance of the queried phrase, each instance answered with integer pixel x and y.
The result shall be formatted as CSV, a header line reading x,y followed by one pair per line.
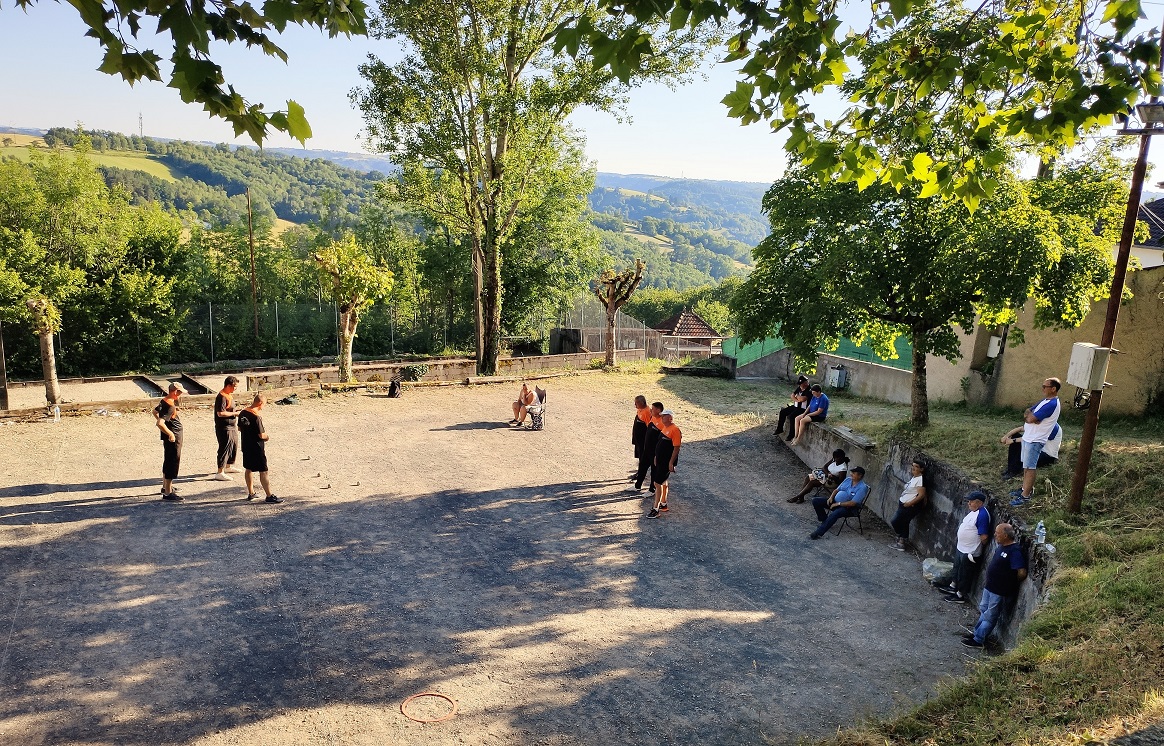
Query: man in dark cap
x,y
799,396
226,429
973,536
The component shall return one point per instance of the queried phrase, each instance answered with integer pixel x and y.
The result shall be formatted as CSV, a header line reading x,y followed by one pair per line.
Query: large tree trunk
x,y
48,364
478,309
3,374
610,346
347,331
919,398
491,306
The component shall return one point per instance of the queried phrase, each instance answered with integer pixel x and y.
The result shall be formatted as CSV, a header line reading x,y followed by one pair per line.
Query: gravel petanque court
x,y
427,547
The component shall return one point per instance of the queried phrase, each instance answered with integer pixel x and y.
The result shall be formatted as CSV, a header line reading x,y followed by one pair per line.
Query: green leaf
x,y
297,125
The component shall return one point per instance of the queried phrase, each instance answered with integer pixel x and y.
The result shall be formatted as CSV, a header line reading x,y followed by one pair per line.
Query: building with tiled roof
x,y
1151,251
689,333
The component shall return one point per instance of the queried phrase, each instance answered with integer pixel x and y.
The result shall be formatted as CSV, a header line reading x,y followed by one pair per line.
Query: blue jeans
x,y
989,609
834,515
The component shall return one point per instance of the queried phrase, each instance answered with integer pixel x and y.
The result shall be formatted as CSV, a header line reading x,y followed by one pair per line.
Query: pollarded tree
x,y
476,109
614,289
356,281
879,263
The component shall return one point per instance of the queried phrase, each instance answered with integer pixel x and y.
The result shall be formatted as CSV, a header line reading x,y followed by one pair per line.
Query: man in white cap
x,y
666,455
170,425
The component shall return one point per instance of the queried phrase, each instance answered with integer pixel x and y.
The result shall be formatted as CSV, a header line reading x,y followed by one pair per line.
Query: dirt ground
x,y
427,547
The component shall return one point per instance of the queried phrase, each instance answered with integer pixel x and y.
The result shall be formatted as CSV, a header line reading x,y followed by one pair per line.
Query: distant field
x,y
129,161
633,193
282,225
663,244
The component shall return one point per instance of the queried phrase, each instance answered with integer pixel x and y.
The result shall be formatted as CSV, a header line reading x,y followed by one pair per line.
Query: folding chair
x,y
537,410
860,528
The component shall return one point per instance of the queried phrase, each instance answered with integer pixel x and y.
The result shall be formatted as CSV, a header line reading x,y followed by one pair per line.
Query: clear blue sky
x,y
50,80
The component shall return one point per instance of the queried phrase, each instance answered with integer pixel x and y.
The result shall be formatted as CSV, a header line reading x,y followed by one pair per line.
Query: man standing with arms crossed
x,y
170,425
254,448
1040,421
226,429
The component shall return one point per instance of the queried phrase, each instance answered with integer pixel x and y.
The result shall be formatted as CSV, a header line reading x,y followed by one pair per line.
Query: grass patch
x,y
118,159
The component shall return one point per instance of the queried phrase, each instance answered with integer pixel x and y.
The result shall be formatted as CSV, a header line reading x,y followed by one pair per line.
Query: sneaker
x,y
173,497
1009,475
795,499
949,590
653,514
956,598
1019,498
970,642
220,477
273,499
813,536
899,546
663,508
633,489
233,470
251,496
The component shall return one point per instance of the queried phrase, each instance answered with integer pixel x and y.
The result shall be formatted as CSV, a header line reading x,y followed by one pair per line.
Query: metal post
x,y
278,346
210,305
254,282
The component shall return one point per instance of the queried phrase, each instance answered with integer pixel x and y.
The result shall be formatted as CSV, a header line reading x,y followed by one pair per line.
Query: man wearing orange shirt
x,y
666,454
639,427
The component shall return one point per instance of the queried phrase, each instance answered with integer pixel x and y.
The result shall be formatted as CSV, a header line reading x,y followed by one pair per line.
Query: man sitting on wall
x,y
845,501
1014,452
799,397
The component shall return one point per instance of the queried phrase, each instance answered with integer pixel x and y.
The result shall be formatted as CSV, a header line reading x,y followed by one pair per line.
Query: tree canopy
x,y
879,263
192,28
936,90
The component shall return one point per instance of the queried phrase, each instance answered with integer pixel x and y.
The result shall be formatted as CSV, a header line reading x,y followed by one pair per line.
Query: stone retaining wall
x,y
933,533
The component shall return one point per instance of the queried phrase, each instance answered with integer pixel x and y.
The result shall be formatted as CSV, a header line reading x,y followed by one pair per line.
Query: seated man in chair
x,y
525,399
845,501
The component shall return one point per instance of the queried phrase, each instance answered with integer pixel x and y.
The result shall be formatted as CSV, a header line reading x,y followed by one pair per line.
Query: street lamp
x,y
1151,116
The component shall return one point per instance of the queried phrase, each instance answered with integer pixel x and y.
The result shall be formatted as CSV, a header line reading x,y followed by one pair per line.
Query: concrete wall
x,y
438,370
1137,375
934,532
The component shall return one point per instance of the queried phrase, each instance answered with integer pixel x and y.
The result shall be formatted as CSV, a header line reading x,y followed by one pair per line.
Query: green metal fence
x,y
750,353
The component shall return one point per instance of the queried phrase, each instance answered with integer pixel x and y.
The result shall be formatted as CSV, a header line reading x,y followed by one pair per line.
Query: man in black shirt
x,y
226,429
800,396
254,448
170,426
1007,569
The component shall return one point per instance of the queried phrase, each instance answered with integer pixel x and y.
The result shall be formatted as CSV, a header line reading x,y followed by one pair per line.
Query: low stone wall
x,y
934,532
438,370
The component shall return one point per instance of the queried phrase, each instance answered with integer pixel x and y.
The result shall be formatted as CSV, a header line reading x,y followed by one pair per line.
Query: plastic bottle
x,y
56,413
1040,533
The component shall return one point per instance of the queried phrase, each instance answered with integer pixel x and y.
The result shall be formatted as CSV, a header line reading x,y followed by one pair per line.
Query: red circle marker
x,y
441,719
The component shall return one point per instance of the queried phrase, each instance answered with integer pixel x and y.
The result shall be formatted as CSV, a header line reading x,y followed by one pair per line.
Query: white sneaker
x,y
233,470
222,478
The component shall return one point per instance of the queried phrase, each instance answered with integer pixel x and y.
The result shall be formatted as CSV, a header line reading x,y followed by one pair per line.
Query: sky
x,y
51,81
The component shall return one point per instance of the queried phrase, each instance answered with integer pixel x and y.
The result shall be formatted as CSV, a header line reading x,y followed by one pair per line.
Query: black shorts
x,y
171,458
817,417
660,474
254,459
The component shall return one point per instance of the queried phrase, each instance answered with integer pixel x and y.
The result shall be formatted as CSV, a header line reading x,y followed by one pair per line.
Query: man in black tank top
x,y
170,426
226,429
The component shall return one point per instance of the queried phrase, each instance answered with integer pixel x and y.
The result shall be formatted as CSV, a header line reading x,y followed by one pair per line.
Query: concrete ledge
x,y
934,532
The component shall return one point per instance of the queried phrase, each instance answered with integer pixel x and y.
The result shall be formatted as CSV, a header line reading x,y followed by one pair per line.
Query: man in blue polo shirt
x,y
1005,572
1040,423
816,411
846,500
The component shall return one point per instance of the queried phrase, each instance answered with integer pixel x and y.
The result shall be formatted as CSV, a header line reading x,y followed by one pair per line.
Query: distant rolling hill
x,y
690,232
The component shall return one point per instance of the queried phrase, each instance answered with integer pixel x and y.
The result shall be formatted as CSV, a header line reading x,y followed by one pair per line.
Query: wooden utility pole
x,y
3,374
254,282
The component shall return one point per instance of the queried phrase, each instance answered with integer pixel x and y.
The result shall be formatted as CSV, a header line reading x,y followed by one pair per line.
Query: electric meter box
x,y
837,377
1088,368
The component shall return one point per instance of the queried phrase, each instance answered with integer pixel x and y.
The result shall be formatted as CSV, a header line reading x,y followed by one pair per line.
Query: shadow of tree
x,y
137,622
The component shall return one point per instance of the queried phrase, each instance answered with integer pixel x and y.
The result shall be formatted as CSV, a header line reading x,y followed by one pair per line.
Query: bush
x,y
414,372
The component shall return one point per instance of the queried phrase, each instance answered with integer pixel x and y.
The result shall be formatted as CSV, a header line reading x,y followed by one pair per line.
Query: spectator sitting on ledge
x,y
1013,440
816,411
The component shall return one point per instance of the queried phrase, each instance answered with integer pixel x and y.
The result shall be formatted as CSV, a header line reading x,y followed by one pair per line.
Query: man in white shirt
x,y
973,536
1040,421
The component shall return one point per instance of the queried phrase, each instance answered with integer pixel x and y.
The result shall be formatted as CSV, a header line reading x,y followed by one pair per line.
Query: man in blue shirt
x,y
1005,572
846,500
816,411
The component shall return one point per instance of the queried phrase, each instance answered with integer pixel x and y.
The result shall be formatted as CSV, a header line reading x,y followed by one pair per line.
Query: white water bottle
x,y
56,413
1040,534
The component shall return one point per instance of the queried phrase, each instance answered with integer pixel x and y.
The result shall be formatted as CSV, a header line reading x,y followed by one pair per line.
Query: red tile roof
x,y
688,324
